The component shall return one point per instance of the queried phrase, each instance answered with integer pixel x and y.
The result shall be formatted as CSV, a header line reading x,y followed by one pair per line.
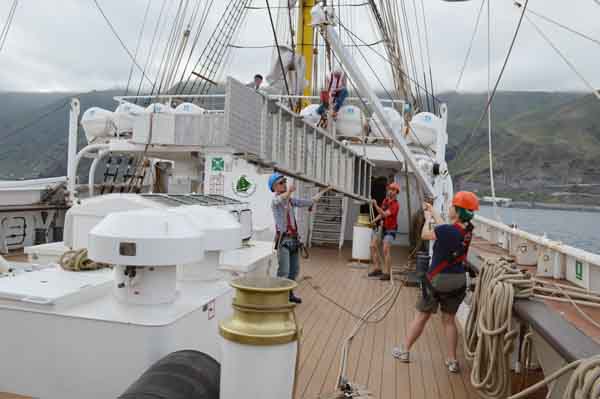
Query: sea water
x,y
576,228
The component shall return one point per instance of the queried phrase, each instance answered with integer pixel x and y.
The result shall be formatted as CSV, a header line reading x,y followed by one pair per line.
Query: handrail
x,y
323,132
557,246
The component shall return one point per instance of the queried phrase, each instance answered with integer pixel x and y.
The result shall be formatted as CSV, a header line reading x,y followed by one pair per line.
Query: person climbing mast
x,y
336,92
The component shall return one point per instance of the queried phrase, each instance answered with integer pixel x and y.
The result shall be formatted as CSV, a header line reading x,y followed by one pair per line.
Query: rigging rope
x,y
464,66
8,24
489,111
491,97
385,59
564,58
426,28
112,28
283,71
137,47
34,121
151,49
419,41
565,27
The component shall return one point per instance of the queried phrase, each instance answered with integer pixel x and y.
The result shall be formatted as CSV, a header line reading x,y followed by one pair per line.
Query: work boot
x,y
375,273
452,365
294,298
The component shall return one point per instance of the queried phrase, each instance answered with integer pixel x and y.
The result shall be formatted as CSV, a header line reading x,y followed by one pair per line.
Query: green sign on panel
x,y
578,270
217,164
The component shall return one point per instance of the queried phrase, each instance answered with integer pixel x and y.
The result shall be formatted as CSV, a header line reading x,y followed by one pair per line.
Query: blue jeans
x,y
289,261
338,101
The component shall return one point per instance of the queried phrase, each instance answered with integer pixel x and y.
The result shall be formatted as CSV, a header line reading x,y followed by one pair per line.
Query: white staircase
x,y
327,223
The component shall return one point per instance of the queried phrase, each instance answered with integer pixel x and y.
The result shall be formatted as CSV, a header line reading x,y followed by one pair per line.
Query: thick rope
x,y
78,261
584,383
490,336
489,333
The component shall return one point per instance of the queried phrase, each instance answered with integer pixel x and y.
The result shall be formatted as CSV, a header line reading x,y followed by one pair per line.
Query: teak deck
x,y
370,364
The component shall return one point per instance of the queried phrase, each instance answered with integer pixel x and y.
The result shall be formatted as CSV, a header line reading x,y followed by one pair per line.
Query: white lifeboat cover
x,y
425,126
310,115
125,115
393,116
98,123
158,108
349,121
189,109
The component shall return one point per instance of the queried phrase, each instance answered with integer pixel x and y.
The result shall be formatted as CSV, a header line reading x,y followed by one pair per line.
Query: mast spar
x,y
305,42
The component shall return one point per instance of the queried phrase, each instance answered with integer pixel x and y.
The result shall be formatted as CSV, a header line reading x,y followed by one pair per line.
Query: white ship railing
x,y
253,125
552,258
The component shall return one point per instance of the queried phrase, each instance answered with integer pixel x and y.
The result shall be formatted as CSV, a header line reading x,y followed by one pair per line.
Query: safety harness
x,y
457,256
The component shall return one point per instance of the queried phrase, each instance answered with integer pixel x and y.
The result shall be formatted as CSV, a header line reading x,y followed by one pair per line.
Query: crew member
x,y
445,282
287,241
255,84
388,212
336,86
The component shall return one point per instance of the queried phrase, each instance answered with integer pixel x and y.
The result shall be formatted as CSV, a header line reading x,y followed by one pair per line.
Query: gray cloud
x,y
66,45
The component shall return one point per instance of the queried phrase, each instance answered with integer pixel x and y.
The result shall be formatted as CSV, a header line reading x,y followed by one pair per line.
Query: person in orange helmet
x,y
388,212
445,283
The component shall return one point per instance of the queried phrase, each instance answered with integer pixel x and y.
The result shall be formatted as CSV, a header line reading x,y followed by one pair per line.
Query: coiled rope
x,y
584,383
489,337
489,332
78,261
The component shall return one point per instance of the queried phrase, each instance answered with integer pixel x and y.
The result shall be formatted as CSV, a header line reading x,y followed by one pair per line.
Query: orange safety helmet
x,y
394,186
466,200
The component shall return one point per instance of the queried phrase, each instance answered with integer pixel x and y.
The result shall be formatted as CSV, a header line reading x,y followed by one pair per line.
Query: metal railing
x,y
552,258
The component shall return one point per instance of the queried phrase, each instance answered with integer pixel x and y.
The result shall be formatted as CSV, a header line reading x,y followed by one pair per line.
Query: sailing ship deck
x,y
324,327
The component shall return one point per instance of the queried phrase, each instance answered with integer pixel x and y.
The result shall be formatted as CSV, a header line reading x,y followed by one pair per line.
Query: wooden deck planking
x,y
326,363
349,323
370,362
317,339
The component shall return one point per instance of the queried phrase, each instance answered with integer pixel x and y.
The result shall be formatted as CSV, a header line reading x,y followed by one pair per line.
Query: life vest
x,y
455,257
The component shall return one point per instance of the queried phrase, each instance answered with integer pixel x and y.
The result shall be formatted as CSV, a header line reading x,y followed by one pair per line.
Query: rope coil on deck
x,y
489,332
584,383
78,261
489,336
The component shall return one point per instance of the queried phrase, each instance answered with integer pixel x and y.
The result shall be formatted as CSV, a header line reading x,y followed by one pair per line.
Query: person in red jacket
x,y
388,212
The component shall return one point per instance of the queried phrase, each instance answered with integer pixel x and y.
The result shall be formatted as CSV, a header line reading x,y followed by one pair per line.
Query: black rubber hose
x,y
184,374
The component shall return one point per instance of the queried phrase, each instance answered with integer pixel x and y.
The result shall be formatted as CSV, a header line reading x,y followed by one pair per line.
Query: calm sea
x,y
579,229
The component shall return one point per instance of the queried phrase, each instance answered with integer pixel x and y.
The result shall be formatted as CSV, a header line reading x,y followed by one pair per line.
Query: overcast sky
x,y
66,45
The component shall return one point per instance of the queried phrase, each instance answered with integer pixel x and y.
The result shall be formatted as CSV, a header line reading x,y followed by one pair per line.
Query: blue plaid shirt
x,y
280,206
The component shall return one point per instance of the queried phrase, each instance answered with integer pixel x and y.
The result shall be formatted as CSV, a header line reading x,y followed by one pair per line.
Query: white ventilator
x,y
145,246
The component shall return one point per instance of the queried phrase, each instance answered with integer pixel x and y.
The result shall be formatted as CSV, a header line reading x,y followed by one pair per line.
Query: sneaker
x,y
401,354
452,366
375,273
385,277
295,299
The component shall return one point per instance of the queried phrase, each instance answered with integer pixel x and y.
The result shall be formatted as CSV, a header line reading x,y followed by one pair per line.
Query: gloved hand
x,y
318,195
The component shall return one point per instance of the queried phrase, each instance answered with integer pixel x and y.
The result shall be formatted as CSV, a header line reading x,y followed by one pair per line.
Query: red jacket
x,y
390,222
